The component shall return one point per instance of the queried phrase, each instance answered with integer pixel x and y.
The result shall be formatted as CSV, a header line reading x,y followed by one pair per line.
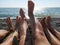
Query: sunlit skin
x,y
51,38
9,39
17,23
37,30
55,38
3,33
42,32
23,26
10,24
52,30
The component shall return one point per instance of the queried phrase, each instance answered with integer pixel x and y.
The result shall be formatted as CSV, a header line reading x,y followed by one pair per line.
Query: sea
x,y
9,12
13,12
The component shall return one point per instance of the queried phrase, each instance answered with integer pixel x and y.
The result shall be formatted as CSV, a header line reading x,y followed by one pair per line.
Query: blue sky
x,y
39,4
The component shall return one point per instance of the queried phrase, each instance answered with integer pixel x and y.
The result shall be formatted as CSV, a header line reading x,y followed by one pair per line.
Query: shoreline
x,y
55,22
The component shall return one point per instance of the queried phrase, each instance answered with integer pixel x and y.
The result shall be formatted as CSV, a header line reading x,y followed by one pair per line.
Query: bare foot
x,y
37,30
22,13
9,23
9,38
51,38
17,23
22,28
51,29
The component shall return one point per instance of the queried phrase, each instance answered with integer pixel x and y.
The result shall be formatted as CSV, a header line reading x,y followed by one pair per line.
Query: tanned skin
x,y
23,26
9,39
10,24
3,33
51,29
42,32
51,38
37,30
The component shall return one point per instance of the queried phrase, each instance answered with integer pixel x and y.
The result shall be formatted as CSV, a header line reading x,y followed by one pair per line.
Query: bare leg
x,y
3,34
52,30
51,38
9,39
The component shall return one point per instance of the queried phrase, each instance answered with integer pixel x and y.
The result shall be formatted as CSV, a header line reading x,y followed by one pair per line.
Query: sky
x,y
39,4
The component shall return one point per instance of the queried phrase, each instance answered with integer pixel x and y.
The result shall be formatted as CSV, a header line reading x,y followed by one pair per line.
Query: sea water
x,y
9,12
13,12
